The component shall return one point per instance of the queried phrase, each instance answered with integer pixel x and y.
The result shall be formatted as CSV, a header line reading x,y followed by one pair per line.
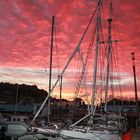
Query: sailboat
x,y
93,126
99,126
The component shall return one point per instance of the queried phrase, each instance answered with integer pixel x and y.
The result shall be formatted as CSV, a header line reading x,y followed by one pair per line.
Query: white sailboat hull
x,y
94,135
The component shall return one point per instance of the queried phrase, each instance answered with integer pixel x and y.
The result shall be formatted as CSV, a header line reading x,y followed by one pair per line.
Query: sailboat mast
x,y
60,90
135,86
50,73
108,56
96,54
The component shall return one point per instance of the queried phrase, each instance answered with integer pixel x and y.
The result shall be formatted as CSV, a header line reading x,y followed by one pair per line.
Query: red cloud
x,y
25,31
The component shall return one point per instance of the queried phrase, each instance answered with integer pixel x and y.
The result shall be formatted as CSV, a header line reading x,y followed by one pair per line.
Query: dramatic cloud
x,y
25,40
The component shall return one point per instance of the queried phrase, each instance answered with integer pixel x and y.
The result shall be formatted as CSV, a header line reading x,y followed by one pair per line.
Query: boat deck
x,y
136,135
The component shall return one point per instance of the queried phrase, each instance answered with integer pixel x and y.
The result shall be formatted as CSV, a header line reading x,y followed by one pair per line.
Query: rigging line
x,y
113,86
104,51
103,42
84,62
77,74
87,58
58,66
47,44
115,64
111,70
82,78
86,65
81,56
100,81
117,76
101,73
87,76
96,54
117,68
115,50
78,87
103,54
56,46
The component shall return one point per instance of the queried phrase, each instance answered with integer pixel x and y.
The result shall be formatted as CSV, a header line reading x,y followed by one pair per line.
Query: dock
x,y
136,135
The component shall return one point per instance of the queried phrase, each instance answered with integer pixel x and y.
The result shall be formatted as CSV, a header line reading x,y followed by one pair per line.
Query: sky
x,y
25,40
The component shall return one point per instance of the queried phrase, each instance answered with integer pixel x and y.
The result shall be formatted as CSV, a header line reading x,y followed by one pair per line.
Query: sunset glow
x,y
25,38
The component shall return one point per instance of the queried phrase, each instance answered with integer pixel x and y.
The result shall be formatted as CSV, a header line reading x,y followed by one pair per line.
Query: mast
x,y
109,55
135,85
50,73
96,55
60,90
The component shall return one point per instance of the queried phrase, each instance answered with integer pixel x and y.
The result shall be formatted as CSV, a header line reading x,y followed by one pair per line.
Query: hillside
x,y
28,93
